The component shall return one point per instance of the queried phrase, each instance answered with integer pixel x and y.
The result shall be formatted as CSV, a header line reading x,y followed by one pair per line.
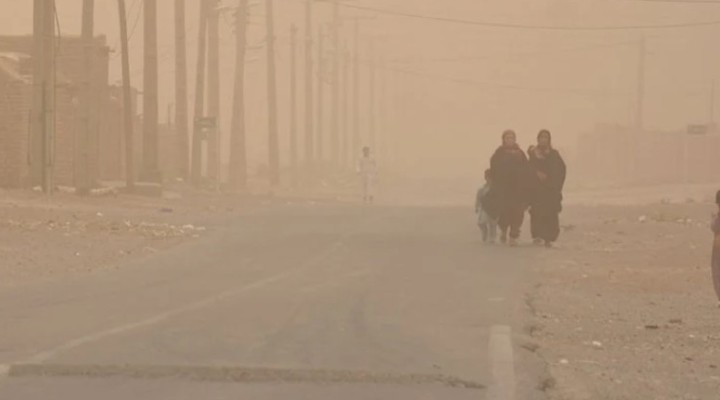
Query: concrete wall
x,y
15,100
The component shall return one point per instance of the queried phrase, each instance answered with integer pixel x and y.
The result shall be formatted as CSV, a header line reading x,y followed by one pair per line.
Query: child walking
x,y
486,210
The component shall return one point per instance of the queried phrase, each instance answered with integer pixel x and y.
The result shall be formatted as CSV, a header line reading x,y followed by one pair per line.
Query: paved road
x,y
316,302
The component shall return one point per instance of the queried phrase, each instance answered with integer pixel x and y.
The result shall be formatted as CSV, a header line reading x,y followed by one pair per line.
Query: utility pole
x,y
712,104
181,89
43,118
320,98
309,98
150,173
238,151
382,129
640,110
50,42
372,139
127,100
39,81
213,138
345,131
82,150
335,121
273,150
293,103
196,159
356,95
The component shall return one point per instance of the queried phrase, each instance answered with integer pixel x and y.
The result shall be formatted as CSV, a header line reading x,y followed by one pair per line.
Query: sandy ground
x,y
625,308
64,235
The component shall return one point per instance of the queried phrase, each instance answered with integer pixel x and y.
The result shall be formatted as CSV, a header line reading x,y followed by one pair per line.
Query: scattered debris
x,y
547,384
78,225
171,195
530,346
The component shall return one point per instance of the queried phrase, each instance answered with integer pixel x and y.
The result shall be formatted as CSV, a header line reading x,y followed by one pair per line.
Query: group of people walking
x,y
518,181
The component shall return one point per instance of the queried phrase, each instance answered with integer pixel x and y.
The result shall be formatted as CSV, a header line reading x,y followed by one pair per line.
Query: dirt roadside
x,y
626,308
63,235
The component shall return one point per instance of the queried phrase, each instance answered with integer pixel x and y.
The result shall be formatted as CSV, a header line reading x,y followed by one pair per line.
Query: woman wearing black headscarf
x,y
509,173
548,173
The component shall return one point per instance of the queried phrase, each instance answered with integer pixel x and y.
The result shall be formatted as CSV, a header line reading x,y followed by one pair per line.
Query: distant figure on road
x,y
716,249
367,168
486,208
509,172
548,172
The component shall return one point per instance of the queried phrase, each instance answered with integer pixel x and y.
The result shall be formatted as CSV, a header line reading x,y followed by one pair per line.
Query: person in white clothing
x,y
367,168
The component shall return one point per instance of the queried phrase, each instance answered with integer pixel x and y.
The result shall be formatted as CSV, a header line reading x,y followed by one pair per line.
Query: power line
x,y
486,85
526,54
134,26
528,26
501,86
135,23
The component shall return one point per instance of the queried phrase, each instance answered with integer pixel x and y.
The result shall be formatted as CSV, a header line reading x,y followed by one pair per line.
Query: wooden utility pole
x,y
43,116
181,89
196,159
640,107
712,104
49,43
150,172
273,145
372,123
213,139
335,119
293,103
396,111
127,100
309,98
320,131
238,151
382,126
356,96
37,115
82,149
344,130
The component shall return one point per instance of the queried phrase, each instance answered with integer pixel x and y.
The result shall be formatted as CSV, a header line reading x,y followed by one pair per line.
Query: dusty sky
x,y
468,82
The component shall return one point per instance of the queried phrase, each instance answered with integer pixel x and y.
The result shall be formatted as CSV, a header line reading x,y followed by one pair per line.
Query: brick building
x,y
16,78
107,135
15,100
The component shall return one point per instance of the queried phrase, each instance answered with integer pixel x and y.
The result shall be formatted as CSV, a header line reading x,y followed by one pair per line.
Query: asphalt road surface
x,y
296,302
